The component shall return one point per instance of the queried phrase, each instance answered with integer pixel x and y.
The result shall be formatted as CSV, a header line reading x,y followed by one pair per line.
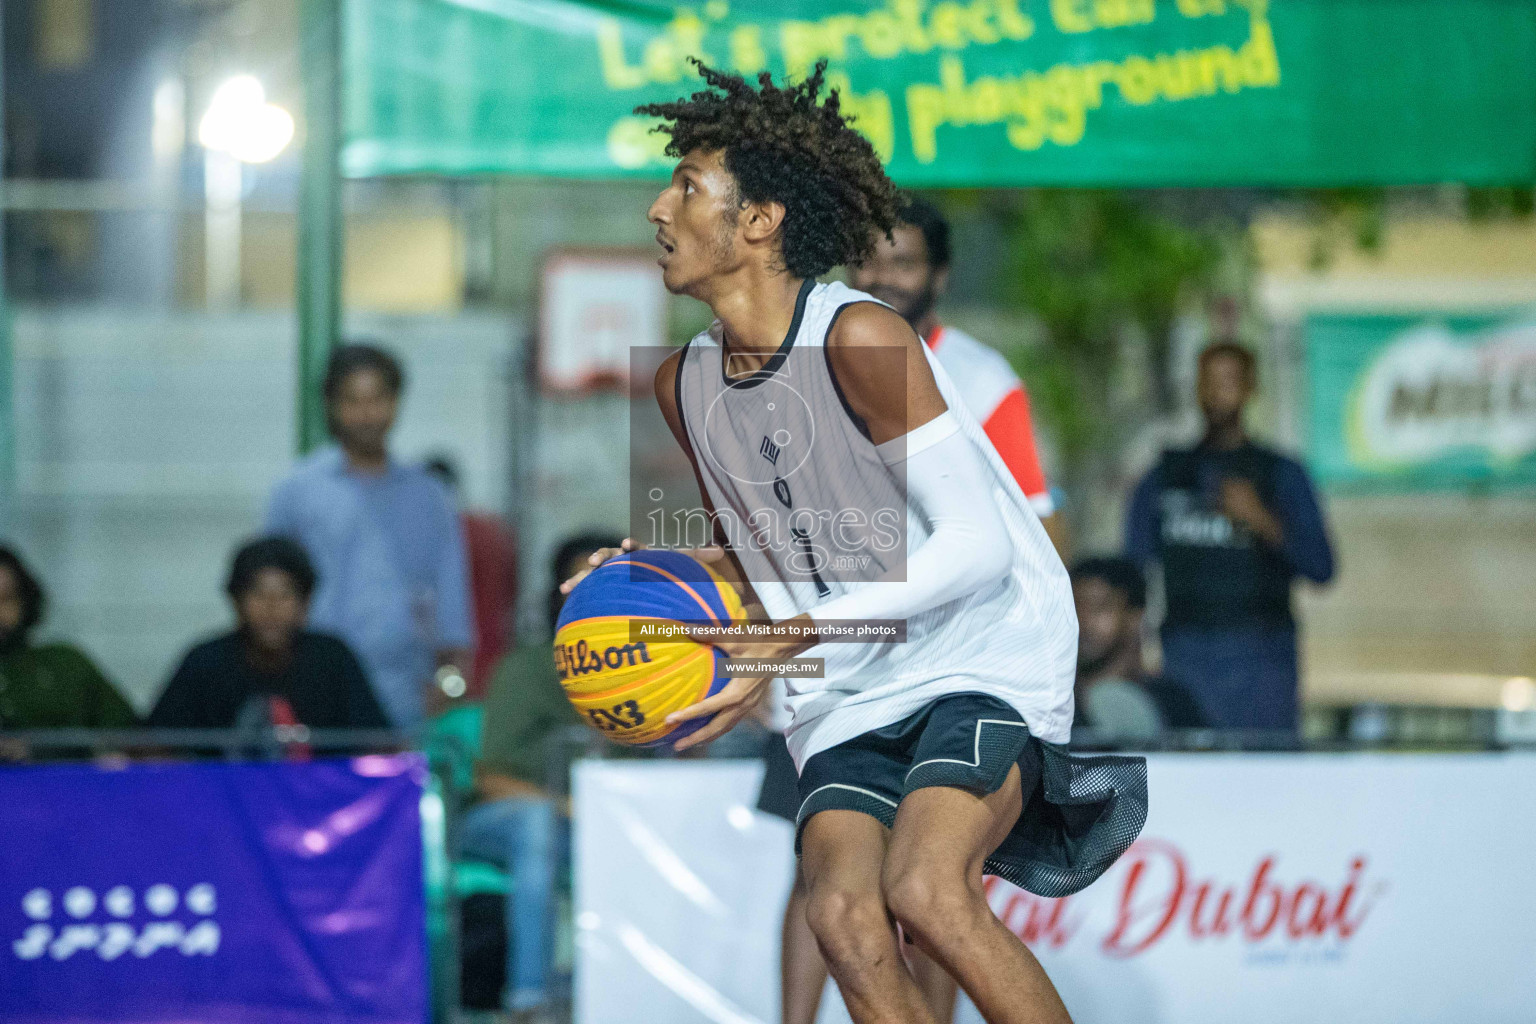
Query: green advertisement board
x,y
1409,402
967,92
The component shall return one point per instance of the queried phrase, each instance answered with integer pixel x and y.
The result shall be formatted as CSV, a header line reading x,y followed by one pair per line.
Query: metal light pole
x,y
319,262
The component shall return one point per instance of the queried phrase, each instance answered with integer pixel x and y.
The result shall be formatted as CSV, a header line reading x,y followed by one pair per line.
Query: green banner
x,y
967,92
1416,403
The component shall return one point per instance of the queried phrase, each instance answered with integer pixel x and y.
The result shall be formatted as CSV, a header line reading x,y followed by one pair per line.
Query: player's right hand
x,y
600,556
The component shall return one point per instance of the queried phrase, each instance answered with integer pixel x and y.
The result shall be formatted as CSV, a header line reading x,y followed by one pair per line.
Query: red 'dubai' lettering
x,y
1157,895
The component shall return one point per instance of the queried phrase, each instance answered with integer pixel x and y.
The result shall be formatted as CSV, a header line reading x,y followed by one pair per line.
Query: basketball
x,y
623,687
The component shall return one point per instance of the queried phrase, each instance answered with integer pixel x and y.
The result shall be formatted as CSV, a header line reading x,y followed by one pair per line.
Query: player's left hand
x,y
734,702
742,695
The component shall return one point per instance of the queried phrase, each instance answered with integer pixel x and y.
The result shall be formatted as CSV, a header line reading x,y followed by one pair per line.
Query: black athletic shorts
x,y
780,795
1079,813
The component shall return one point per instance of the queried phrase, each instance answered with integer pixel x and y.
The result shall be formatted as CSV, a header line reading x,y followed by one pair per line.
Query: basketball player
x,y
921,763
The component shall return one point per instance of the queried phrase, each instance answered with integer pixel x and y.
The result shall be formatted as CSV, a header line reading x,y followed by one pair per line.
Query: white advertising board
x,y
1265,888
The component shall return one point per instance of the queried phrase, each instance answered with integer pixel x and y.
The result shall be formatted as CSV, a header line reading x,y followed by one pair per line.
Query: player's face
x,y
1223,388
1103,621
898,273
363,411
272,610
696,218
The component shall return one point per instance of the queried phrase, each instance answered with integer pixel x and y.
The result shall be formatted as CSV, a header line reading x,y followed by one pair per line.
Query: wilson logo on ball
x,y
579,659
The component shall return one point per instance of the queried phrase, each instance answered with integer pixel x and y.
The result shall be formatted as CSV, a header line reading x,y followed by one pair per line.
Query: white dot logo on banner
x,y
112,939
161,900
119,901
80,901
38,904
201,899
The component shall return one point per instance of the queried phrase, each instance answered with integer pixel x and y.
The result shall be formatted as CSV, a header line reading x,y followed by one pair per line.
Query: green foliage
x,y
1503,201
1100,269
1344,216
1358,215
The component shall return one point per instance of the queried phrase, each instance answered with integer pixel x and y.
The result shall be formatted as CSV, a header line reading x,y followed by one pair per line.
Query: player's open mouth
x,y
665,245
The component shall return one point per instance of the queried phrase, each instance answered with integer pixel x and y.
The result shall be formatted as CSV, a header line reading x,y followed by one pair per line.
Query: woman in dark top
x,y
270,669
51,685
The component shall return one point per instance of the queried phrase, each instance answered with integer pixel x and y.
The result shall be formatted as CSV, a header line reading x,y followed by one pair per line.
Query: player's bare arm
x,y
893,396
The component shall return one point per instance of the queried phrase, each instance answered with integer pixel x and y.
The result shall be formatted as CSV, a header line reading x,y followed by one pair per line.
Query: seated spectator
x,y
48,685
269,669
515,824
1115,694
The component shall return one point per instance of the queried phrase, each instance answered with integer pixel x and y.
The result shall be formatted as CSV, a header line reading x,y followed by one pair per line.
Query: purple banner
x,y
216,893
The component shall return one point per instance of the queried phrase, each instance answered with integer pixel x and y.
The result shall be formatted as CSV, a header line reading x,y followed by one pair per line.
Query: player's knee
x,y
928,899
848,925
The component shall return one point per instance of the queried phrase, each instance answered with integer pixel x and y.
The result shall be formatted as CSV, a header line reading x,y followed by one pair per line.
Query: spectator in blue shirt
x,y
1233,523
385,541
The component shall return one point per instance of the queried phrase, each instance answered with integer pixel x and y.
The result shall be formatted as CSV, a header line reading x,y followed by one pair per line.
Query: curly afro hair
x,y
783,146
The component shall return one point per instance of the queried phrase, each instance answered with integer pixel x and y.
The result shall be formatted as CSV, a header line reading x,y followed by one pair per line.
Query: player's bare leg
x,y
932,884
802,971
841,855
938,987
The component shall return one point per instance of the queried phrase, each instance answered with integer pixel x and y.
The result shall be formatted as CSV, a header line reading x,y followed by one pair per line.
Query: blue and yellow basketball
x,y
626,687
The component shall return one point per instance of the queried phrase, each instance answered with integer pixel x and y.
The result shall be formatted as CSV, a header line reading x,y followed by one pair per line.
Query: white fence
x,y
1266,888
